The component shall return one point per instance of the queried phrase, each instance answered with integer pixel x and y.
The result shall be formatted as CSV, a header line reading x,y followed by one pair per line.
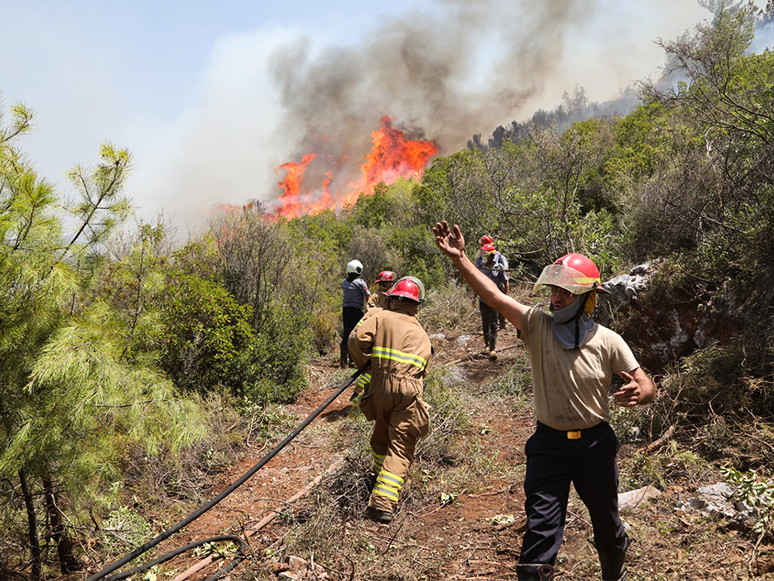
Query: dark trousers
x,y
350,316
489,324
553,461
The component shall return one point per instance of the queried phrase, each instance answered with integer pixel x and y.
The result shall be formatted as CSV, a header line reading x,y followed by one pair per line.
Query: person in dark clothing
x,y
481,258
494,266
356,293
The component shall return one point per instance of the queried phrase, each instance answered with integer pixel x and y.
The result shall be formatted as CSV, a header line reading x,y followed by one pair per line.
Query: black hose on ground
x,y
194,515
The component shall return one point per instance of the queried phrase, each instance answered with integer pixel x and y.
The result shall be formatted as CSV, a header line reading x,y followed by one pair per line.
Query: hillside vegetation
x,y
134,366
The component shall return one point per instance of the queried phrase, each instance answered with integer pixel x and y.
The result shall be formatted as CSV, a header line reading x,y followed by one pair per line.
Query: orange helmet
x,y
386,276
409,288
574,273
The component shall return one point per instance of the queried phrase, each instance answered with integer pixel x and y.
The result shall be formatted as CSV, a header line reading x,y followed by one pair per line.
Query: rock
x,y
623,291
634,498
722,491
296,563
463,340
716,499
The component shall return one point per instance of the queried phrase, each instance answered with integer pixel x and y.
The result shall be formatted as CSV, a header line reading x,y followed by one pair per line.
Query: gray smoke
x,y
459,68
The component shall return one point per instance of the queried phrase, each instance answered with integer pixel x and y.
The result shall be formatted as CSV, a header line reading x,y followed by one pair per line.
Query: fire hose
x,y
103,574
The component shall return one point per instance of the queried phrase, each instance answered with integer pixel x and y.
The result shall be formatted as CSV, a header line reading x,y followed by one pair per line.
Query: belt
x,y
572,434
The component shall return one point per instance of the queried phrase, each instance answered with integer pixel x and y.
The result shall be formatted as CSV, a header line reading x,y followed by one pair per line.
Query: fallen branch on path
x,y
649,448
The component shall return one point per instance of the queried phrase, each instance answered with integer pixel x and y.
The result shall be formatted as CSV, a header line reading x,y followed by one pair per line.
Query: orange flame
x,y
393,156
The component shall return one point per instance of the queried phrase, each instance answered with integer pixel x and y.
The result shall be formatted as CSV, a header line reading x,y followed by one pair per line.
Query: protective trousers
x,y
400,419
553,462
489,324
350,316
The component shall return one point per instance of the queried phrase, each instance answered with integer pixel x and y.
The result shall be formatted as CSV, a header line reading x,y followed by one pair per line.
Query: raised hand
x,y
451,242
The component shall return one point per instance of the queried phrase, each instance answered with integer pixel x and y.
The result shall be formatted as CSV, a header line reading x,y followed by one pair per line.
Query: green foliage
x,y
661,469
70,406
123,530
271,369
204,330
757,492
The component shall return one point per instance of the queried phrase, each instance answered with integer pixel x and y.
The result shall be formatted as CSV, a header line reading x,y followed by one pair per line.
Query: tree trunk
x,y
64,545
32,522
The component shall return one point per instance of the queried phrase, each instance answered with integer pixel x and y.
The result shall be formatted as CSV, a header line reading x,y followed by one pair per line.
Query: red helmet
x,y
486,240
386,276
573,272
407,289
488,248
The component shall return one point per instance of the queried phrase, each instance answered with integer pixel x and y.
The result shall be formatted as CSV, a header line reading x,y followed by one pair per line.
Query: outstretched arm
x,y
452,244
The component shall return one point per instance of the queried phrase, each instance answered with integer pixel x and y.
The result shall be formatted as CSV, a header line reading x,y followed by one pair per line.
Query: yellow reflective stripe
x,y
400,356
387,492
378,459
390,479
389,485
584,280
364,380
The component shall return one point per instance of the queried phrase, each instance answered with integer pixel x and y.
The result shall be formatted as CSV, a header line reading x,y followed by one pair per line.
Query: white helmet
x,y
354,267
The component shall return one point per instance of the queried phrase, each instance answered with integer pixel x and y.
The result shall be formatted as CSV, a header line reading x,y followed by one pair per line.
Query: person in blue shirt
x,y
355,294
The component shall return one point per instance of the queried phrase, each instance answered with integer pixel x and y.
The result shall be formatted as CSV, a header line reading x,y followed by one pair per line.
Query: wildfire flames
x,y
393,156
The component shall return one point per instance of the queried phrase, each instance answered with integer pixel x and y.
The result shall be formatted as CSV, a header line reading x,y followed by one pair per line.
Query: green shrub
x,y
124,529
271,368
448,307
205,333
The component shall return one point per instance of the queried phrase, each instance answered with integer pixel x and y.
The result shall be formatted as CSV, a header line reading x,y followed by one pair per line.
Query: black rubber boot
x,y
534,572
613,566
379,516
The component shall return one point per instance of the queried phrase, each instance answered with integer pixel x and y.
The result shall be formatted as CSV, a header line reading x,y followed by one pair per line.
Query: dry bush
x,y
187,474
449,308
324,326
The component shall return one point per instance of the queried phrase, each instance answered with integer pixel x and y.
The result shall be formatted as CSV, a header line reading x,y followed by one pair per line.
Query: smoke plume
x,y
445,74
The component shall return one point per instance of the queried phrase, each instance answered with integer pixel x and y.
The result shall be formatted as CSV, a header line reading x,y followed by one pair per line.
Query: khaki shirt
x,y
571,385
396,343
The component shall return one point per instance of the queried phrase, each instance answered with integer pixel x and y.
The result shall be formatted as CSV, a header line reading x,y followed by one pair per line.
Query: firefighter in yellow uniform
x,y
376,302
400,351
384,281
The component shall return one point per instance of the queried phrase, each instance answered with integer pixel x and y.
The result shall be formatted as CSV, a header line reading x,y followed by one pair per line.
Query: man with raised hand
x,y
573,360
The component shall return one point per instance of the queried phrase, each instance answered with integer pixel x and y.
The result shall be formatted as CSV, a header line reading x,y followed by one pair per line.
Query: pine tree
x,y
69,403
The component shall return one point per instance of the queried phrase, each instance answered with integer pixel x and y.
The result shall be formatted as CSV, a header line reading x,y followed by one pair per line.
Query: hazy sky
x,y
210,97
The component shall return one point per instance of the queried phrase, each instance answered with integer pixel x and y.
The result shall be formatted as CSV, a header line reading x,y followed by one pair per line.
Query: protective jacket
x,y
376,299
400,352
358,356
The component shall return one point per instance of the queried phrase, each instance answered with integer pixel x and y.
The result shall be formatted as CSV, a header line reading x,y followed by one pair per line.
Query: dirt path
x,y
475,533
